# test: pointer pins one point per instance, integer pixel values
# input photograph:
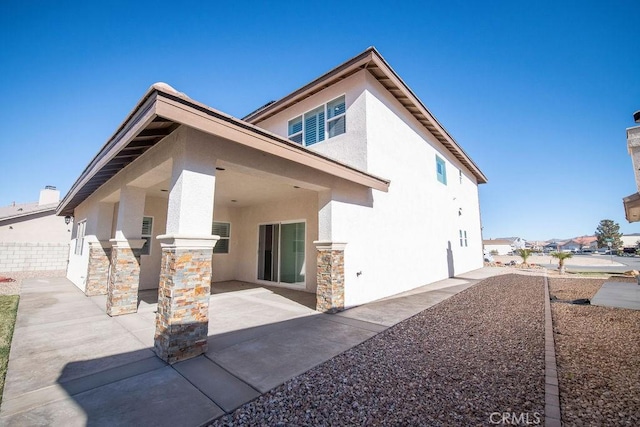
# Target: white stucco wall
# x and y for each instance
(409, 236)
(42, 228)
(224, 265)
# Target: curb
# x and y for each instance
(552, 415)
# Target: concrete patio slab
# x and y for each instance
(618, 294)
(226, 390)
(271, 359)
(71, 364)
(151, 398)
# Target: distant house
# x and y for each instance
(552, 246)
(32, 237)
(516, 242)
(497, 246)
(535, 245)
(587, 243)
(630, 240)
(632, 202)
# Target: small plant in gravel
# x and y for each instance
(561, 256)
(524, 254)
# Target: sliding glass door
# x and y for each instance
(281, 250)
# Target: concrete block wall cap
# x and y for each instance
(127, 243)
(325, 244)
(188, 240)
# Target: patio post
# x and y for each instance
(182, 320)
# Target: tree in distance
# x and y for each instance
(608, 229)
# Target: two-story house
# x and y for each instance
(348, 188)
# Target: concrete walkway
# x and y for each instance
(618, 294)
(71, 364)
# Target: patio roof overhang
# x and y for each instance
(374, 63)
(161, 111)
(632, 207)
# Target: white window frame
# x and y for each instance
(461, 241)
(148, 236)
(81, 228)
(465, 239)
(326, 122)
(228, 238)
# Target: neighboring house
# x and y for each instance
(586, 243)
(516, 242)
(570, 246)
(630, 240)
(552, 246)
(32, 237)
(535, 245)
(497, 246)
(632, 202)
(348, 187)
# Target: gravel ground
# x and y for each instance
(598, 357)
(13, 288)
(479, 352)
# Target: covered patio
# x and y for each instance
(183, 171)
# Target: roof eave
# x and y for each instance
(161, 102)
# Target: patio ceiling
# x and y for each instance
(237, 187)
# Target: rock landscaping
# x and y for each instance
(466, 361)
(598, 357)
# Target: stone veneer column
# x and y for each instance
(122, 292)
(182, 320)
(330, 293)
(98, 269)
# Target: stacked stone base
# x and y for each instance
(98, 269)
(330, 293)
(182, 321)
(122, 292)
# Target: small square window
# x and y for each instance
(441, 170)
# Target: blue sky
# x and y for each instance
(539, 94)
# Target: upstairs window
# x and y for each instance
(441, 170)
(222, 229)
(323, 122)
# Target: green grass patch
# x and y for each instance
(8, 311)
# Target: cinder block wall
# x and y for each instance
(33, 256)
